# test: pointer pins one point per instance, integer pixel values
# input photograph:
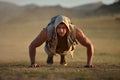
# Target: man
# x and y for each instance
(60, 36)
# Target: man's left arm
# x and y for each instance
(82, 39)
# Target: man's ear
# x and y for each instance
(68, 32)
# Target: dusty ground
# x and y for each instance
(103, 31)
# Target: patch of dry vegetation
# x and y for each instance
(103, 31)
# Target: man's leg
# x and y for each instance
(50, 56)
(63, 60)
(50, 59)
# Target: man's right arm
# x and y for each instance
(38, 41)
(82, 39)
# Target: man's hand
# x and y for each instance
(89, 66)
(34, 65)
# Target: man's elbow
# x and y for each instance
(32, 46)
(90, 47)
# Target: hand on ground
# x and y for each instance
(89, 66)
(34, 65)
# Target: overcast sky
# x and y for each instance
(64, 3)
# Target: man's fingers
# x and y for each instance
(34, 65)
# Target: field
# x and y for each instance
(103, 31)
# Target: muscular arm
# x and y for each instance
(82, 39)
(38, 41)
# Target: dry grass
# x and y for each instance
(74, 71)
(103, 31)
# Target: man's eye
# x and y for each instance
(61, 27)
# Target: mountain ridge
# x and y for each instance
(11, 11)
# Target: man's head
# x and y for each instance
(62, 25)
(62, 29)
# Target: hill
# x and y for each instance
(89, 7)
(10, 12)
(109, 9)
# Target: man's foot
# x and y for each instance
(50, 60)
(63, 61)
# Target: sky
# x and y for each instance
(63, 3)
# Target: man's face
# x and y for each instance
(61, 29)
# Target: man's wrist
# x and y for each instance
(89, 66)
(32, 63)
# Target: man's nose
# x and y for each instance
(61, 29)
